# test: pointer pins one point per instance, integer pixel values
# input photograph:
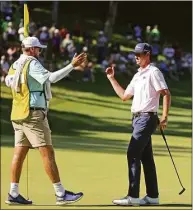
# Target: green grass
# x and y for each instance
(91, 128)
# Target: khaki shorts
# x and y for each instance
(34, 131)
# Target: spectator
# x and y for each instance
(131, 65)
(51, 30)
(44, 35)
(105, 63)
(67, 47)
(162, 65)
(129, 34)
(177, 56)
(138, 33)
(169, 52)
(21, 23)
(121, 63)
(21, 34)
(155, 34)
(56, 44)
(67, 41)
(63, 32)
(187, 62)
(12, 53)
(4, 23)
(11, 32)
(32, 28)
(88, 73)
(101, 47)
(4, 68)
(148, 34)
(155, 51)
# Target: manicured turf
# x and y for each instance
(91, 128)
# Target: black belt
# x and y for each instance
(37, 108)
(137, 114)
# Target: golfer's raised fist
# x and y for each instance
(110, 72)
(79, 59)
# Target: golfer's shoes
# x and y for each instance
(18, 200)
(127, 201)
(149, 201)
(69, 197)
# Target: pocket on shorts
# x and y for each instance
(38, 115)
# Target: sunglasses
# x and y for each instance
(40, 49)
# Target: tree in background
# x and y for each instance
(108, 29)
(55, 12)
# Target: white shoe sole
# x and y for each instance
(60, 203)
(15, 203)
(130, 204)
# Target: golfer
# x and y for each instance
(30, 85)
(145, 88)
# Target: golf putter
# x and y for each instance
(183, 189)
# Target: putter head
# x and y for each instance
(182, 191)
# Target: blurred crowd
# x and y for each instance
(64, 43)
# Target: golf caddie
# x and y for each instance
(145, 88)
(30, 85)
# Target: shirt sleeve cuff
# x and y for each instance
(70, 66)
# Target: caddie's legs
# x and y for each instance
(17, 163)
(16, 167)
(22, 146)
(63, 196)
(48, 157)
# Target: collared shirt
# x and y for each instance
(144, 87)
(37, 75)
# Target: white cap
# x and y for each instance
(56, 31)
(44, 28)
(10, 24)
(32, 42)
(21, 30)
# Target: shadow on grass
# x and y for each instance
(102, 87)
(75, 131)
(115, 206)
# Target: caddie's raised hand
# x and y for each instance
(79, 59)
(110, 72)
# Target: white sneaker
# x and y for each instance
(149, 201)
(127, 201)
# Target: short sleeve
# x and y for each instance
(38, 72)
(130, 88)
(158, 80)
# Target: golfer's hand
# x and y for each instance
(163, 122)
(110, 72)
(80, 59)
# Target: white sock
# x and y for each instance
(59, 189)
(14, 189)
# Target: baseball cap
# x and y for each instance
(32, 42)
(142, 48)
